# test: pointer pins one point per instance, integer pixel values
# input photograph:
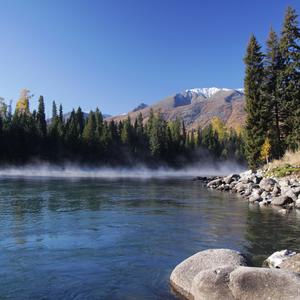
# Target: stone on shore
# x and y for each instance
(282, 200)
(267, 184)
(184, 274)
(274, 260)
(292, 263)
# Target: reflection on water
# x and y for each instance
(120, 239)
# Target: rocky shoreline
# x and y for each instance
(224, 274)
(261, 190)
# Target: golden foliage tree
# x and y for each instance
(219, 127)
(23, 102)
(266, 150)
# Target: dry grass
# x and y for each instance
(288, 165)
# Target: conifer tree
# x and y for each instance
(54, 111)
(256, 126)
(41, 118)
(272, 66)
(289, 78)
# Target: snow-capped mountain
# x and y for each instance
(197, 106)
(209, 92)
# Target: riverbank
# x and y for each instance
(261, 189)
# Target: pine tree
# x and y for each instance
(61, 114)
(256, 111)
(54, 111)
(289, 79)
(41, 118)
(272, 66)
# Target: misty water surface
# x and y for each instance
(120, 239)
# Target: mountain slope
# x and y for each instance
(198, 106)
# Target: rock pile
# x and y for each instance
(261, 190)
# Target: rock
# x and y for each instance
(267, 184)
(284, 183)
(297, 204)
(292, 263)
(212, 284)
(291, 195)
(276, 190)
(274, 260)
(296, 190)
(233, 184)
(231, 178)
(255, 196)
(241, 187)
(263, 203)
(263, 283)
(281, 200)
(184, 274)
(221, 187)
(214, 183)
(226, 187)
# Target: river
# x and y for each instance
(120, 239)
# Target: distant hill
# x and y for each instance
(197, 107)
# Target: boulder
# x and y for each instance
(291, 195)
(276, 190)
(263, 283)
(297, 204)
(233, 184)
(292, 263)
(282, 200)
(255, 196)
(231, 178)
(276, 259)
(214, 183)
(296, 190)
(184, 274)
(267, 184)
(212, 284)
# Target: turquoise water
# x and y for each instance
(120, 239)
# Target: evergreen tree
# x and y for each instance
(289, 79)
(272, 66)
(41, 118)
(255, 107)
(54, 110)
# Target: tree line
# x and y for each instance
(27, 136)
(272, 90)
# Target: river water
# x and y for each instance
(120, 239)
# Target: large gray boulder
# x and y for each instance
(267, 184)
(183, 275)
(248, 283)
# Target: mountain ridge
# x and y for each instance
(197, 106)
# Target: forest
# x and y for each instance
(272, 91)
(27, 137)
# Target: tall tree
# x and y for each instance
(255, 107)
(289, 78)
(41, 118)
(273, 64)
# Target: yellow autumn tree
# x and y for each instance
(265, 150)
(22, 105)
(219, 127)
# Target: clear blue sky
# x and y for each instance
(116, 54)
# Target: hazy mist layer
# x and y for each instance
(72, 171)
